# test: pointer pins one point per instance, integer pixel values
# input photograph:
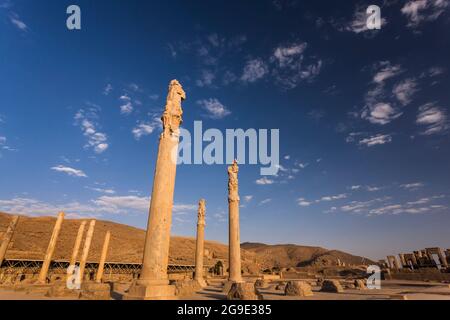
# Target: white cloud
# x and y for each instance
(303, 202)
(94, 208)
(379, 139)
(126, 108)
(254, 70)
(355, 187)
(17, 22)
(96, 140)
(419, 11)
(434, 118)
(248, 198)
(264, 181)
(101, 190)
(265, 201)
(215, 109)
(332, 198)
(107, 89)
(412, 186)
(386, 71)
(70, 171)
(206, 79)
(380, 113)
(2, 140)
(285, 56)
(404, 90)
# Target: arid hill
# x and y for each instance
(291, 255)
(127, 244)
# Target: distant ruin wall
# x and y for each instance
(421, 276)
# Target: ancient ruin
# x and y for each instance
(51, 248)
(153, 282)
(235, 275)
(200, 251)
(7, 238)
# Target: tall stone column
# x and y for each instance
(200, 248)
(153, 282)
(76, 247)
(234, 232)
(101, 265)
(87, 246)
(51, 248)
(7, 238)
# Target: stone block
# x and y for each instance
(298, 288)
(333, 286)
(243, 291)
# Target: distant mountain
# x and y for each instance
(291, 255)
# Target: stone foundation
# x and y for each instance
(298, 289)
(243, 291)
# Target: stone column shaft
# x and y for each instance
(234, 250)
(157, 240)
(200, 244)
(7, 238)
(76, 247)
(87, 246)
(51, 248)
(101, 265)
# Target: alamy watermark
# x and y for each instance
(212, 146)
(374, 279)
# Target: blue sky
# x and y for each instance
(363, 115)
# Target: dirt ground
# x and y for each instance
(390, 290)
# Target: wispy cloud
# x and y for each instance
(69, 171)
(412, 185)
(264, 181)
(420, 11)
(254, 70)
(434, 118)
(214, 108)
(85, 119)
(378, 139)
(93, 208)
(146, 128)
(404, 90)
(17, 22)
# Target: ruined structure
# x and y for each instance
(153, 282)
(87, 246)
(50, 249)
(7, 238)
(199, 251)
(101, 265)
(76, 247)
(234, 233)
(393, 263)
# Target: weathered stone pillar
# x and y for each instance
(442, 258)
(76, 247)
(7, 238)
(101, 265)
(234, 250)
(153, 282)
(51, 248)
(87, 246)
(402, 260)
(199, 251)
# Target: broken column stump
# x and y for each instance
(298, 289)
(333, 286)
(243, 291)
